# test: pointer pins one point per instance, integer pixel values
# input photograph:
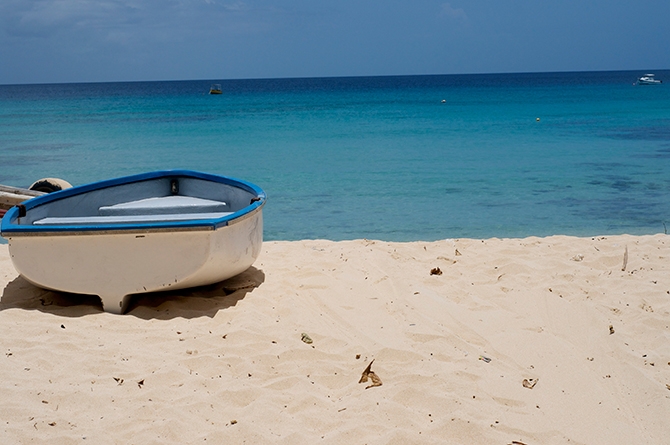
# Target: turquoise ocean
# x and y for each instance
(399, 158)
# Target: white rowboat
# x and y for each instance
(144, 233)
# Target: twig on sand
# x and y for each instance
(625, 259)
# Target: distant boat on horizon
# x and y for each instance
(648, 79)
(215, 89)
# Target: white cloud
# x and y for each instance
(454, 13)
(237, 6)
(46, 17)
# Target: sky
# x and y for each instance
(61, 41)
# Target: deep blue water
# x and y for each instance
(374, 157)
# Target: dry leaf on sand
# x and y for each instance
(369, 373)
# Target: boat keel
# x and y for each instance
(114, 304)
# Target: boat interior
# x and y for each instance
(154, 200)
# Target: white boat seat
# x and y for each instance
(164, 205)
(127, 219)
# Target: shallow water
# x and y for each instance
(374, 157)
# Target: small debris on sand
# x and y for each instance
(435, 271)
(306, 338)
(529, 383)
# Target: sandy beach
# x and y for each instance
(557, 340)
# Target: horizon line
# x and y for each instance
(334, 77)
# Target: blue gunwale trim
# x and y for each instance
(8, 228)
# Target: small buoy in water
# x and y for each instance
(537, 119)
(48, 185)
(444, 101)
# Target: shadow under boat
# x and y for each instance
(183, 303)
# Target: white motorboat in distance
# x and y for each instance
(648, 79)
(144, 233)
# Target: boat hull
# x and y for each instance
(116, 262)
(117, 265)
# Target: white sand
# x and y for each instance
(206, 367)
